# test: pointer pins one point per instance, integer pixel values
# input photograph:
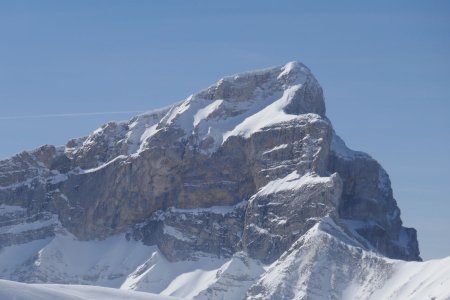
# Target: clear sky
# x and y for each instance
(384, 66)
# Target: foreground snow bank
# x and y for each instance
(22, 291)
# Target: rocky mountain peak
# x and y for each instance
(249, 165)
(245, 103)
(246, 86)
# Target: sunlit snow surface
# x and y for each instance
(291, 182)
(326, 263)
(11, 290)
(325, 255)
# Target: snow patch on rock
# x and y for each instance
(291, 182)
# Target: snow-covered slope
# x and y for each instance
(325, 263)
(413, 280)
(10, 290)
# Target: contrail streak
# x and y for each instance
(71, 115)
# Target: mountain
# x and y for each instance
(243, 190)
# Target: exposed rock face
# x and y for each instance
(277, 218)
(367, 198)
(249, 164)
(181, 233)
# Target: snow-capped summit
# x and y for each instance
(238, 184)
(245, 103)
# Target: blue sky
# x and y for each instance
(384, 66)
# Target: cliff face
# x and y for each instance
(249, 164)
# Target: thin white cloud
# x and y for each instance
(83, 114)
